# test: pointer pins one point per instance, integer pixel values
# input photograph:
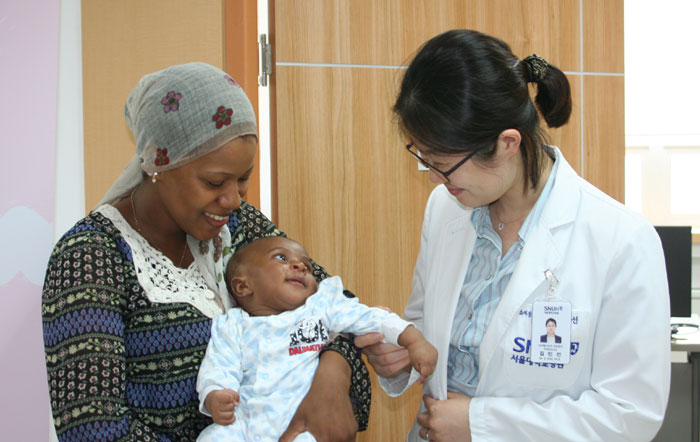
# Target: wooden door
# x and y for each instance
(122, 41)
(346, 188)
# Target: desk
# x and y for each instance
(688, 340)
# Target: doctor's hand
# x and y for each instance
(446, 421)
(387, 359)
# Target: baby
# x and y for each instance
(262, 357)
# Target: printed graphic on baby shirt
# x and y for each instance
(308, 335)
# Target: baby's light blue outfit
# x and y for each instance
(271, 360)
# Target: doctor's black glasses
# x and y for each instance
(411, 148)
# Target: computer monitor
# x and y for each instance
(677, 244)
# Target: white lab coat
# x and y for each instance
(610, 266)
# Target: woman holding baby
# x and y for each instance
(131, 289)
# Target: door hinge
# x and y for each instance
(265, 60)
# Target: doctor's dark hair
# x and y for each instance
(551, 320)
(463, 88)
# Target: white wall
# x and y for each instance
(661, 111)
(28, 78)
(41, 176)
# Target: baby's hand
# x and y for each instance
(423, 357)
(422, 354)
(221, 404)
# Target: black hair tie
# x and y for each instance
(536, 68)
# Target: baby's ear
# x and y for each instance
(239, 286)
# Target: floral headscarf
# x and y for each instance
(179, 114)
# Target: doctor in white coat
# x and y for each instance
(511, 234)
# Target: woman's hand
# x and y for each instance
(326, 411)
(446, 421)
(387, 360)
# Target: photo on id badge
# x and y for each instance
(551, 332)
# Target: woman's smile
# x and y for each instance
(215, 220)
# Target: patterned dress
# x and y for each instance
(121, 367)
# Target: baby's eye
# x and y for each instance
(280, 256)
(215, 184)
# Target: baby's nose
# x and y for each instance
(298, 265)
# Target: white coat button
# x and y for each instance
(470, 316)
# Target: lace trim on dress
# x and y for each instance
(162, 281)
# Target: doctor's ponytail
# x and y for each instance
(553, 90)
(463, 88)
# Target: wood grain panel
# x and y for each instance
(352, 195)
(604, 135)
(241, 62)
(388, 32)
(568, 137)
(122, 41)
(603, 36)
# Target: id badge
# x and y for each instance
(551, 332)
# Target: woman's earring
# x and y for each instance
(153, 177)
